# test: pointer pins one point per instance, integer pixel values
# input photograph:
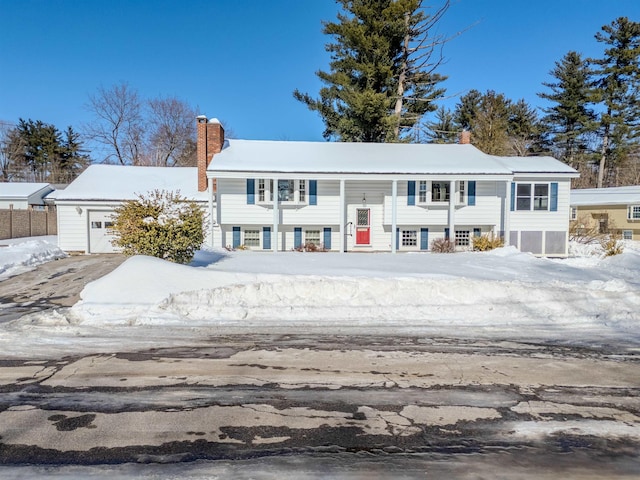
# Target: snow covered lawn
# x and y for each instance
(502, 294)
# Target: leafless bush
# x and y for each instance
(443, 245)
(310, 247)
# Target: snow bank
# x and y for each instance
(21, 254)
(504, 291)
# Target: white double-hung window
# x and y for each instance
(288, 191)
(633, 212)
(532, 196)
(439, 191)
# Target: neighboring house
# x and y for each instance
(22, 195)
(359, 197)
(605, 210)
(86, 206)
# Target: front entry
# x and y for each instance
(363, 226)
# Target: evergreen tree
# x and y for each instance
(524, 131)
(467, 110)
(41, 147)
(497, 125)
(48, 156)
(443, 129)
(570, 121)
(617, 86)
(73, 157)
(381, 80)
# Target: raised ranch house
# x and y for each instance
(85, 207)
(345, 197)
(358, 197)
(607, 210)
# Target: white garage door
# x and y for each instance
(99, 232)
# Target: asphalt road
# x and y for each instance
(398, 406)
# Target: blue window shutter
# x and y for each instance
(471, 192)
(236, 237)
(297, 237)
(513, 196)
(397, 238)
(411, 192)
(446, 233)
(424, 239)
(327, 238)
(266, 238)
(477, 232)
(251, 191)
(313, 192)
(554, 197)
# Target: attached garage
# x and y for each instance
(100, 235)
(86, 206)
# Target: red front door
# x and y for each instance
(363, 226)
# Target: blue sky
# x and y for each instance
(240, 60)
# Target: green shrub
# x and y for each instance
(161, 224)
(488, 242)
(443, 245)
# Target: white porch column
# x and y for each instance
(343, 217)
(276, 215)
(211, 212)
(507, 213)
(394, 214)
(452, 210)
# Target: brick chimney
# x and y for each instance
(210, 137)
(465, 137)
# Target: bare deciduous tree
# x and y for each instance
(118, 124)
(10, 147)
(172, 134)
(134, 131)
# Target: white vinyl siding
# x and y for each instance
(232, 194)
(486, 211)
(544, 220)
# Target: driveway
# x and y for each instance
(53, 284)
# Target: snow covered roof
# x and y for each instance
(374, 158)
(523, 165)
(22, 190)
(605, 196)
(117, 182)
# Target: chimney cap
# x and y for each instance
(214, 120)
(201, 118)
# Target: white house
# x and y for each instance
(358, 197)
(85, 207)
(23, 195)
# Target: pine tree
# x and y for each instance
(570, 120)
(41, 147)
(525, 134)
(617, 86)
(73, 157)
(443, 129)
(48, 156)
(381, 80)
